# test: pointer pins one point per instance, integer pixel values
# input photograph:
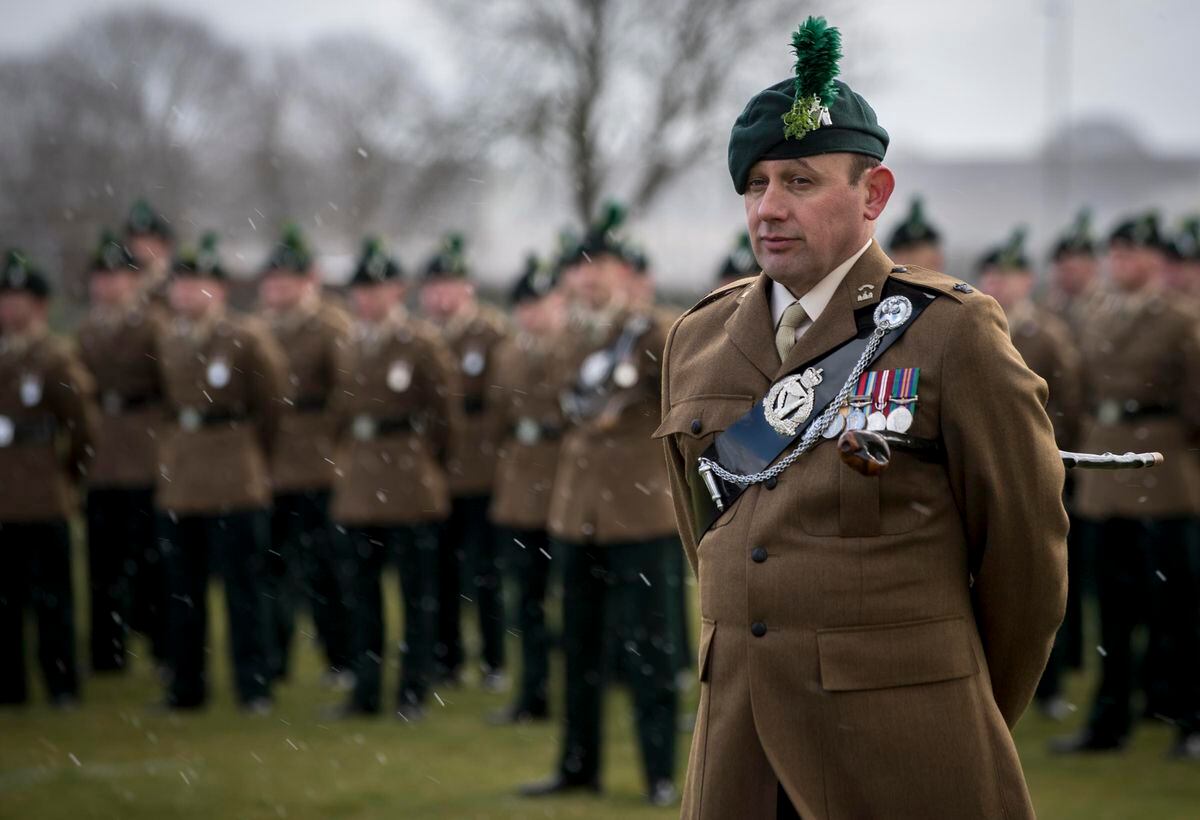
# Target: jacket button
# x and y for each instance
(758, 629)
(696, 427)
(758, 554)
(771, 482)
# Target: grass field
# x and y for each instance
(115, 758)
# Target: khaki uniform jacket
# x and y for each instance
(1044, 342)
(394, 416)
(310, 339)
(528, 372)
(611, 485)
(225, 393)
(47, 426)
(472, 342)
(1142, 386)
(120, 350)
(905, 619)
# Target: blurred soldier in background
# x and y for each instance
(1044, 342)
(1183, 278)
(468, 564)
(611, 518)
(527, 366)
(150, 239)
(47, 426)
(301, 565)
(118, 342)
(1075, 289)
(739, 264)
(394, 413)
(1141, 356)
(223, 378)
(916, 242)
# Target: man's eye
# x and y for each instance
(800, 180)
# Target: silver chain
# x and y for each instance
(813, 434)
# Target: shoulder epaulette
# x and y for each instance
(956, 289)
(724, 290)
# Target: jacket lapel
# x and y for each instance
(751, 329)
(861, 288)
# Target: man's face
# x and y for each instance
(541, 316)
(20, 311)
(806, 216)
(922, 255)
(195, 296)
(112, 288)
(444, 298)
(1008, 287)
(151, 252)
(1183, 276)
(598, 283)
(1074, 272)
(373, 303)
(283, 290)
(1133, 267)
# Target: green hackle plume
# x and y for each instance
(818, 47)
(1012, 255)
(611, 218)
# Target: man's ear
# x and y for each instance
(879, 182)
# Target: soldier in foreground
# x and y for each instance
(223, 381)
(394, 416)
(118, 343)
(302, 566)
(47, 427)
(610, 518)
(867, 644)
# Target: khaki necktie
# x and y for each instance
(785, 336)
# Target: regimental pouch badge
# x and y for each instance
(790, 402)
(625, 375)
(31, 390)
(218, 372)
(882, 400)
(595, 369)
(399, 377)
(473, 362)
(529, 432)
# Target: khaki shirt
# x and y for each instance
(903, 620)
(394, 416)
(225, 393)
(120, 350)
(47, 427)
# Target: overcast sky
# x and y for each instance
(948, 76)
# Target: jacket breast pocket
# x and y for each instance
(693, 423)
(890, 655)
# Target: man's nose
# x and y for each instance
(772, 205)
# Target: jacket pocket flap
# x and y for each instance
(707, 630)
(700, 416)
(903, 654)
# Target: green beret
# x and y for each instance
(202, 262)
(111, 255)
(740, 262)
(603, 239)
(375, 265)
(1187, 242)
(915, 229)
(1140, 231)
(1009, 257)
(536, 281)
(808, 114)
(19, 274)
(291, 253)
(143, 220)
(450, 262)
(1077, 239)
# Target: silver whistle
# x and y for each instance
(710, 481)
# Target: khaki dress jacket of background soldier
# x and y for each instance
(611, 487)
(1141, 367)
(225, 393)
(120, 350)
(528, 371)
(47, 428)
(310, 339)
(870, 641)
(472, 340)
(1044, 342)
(394, 415)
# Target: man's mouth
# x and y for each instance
(774, 242)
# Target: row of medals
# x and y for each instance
(854, 416)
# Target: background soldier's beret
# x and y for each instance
(19, 274)
(602, 238)
(1140, 231)
(1077, 239)
(450, 262)
(375, 265)
(111, 255)
(201, 262)
(1009, 257)
(808, 114)
(740, 262)
(536, 281)
(1187, 241)
(143, 220)
(291, 253)
(914, 230)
